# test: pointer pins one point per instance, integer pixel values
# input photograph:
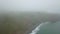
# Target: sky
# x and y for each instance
(30, 5)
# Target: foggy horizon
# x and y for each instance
(30, 5)
(29, 16)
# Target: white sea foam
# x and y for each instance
(37, 28)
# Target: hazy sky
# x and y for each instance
(30, 5)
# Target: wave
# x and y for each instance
(37, 28)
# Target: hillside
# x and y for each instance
(23, 22)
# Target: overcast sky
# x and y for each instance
(30, 5)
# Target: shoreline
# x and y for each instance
(30, 30)
(34, 28)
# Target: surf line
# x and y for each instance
(37, 28)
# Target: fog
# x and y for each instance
(30, 5)
(22, 16)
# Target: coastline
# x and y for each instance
(32, 28)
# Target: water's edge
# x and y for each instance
(37, 28)
(32, 28)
